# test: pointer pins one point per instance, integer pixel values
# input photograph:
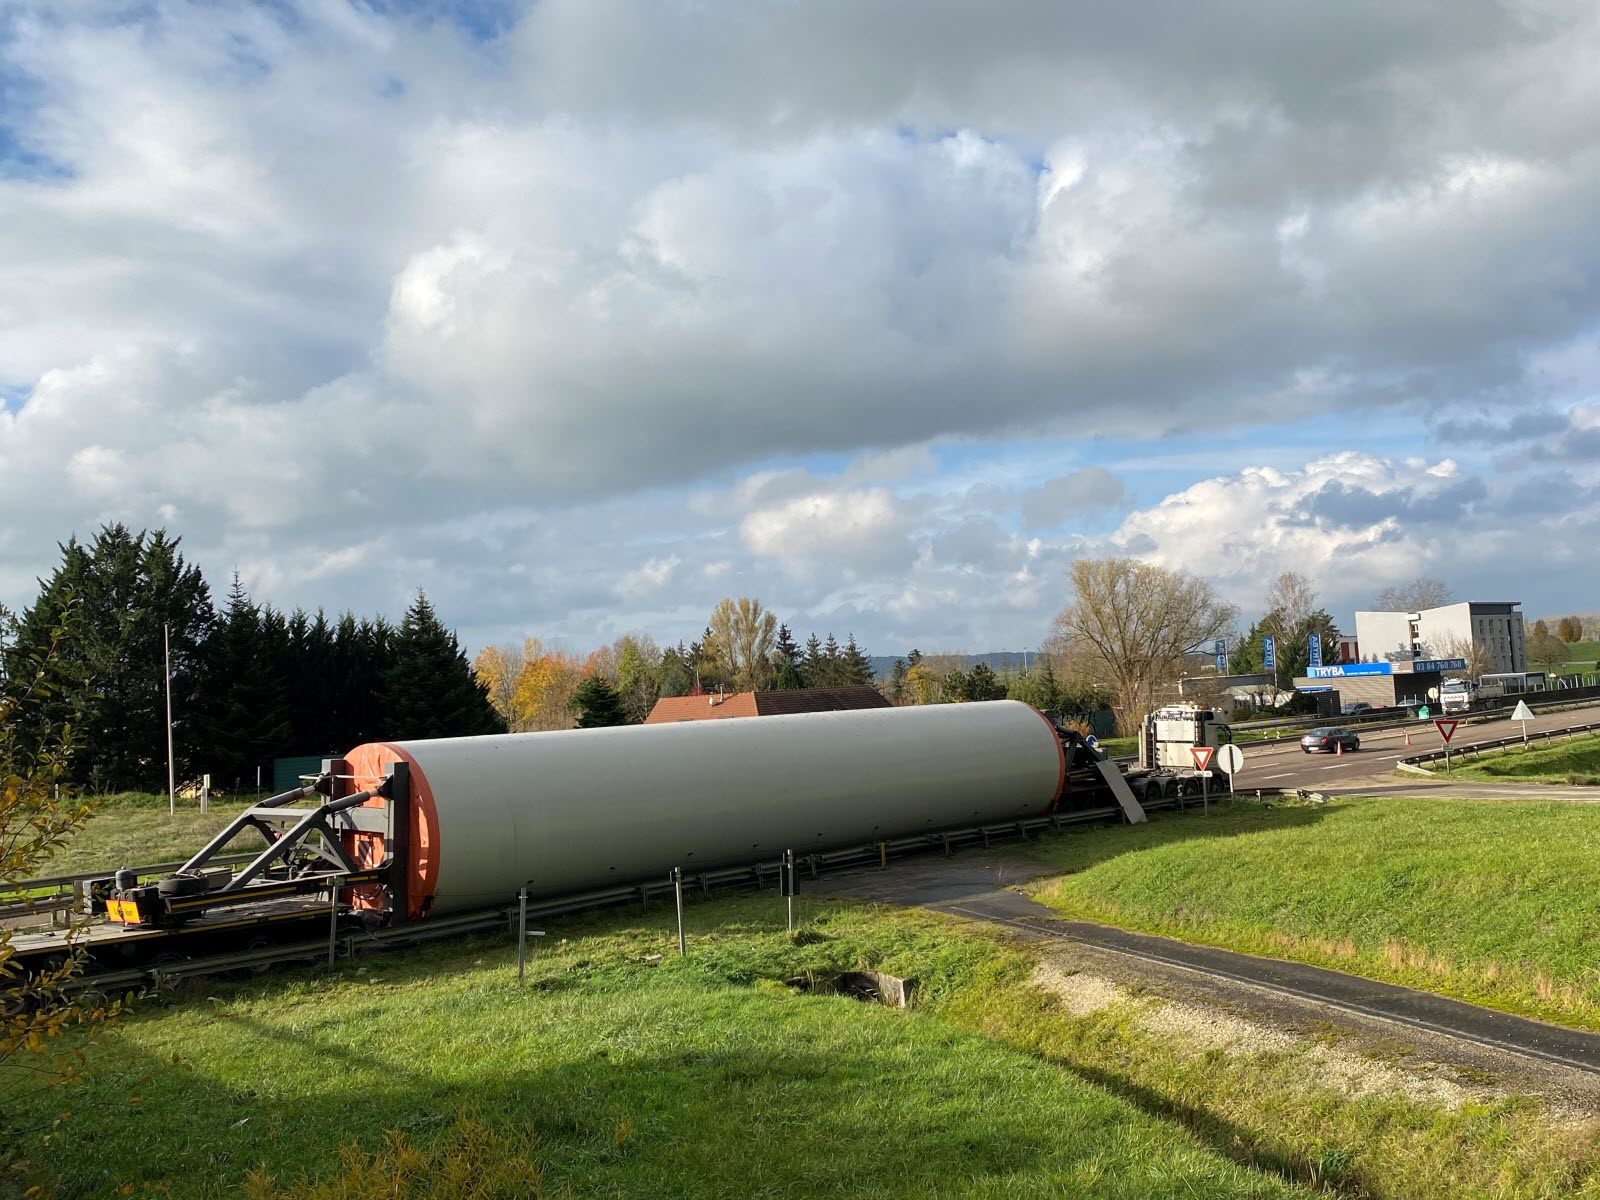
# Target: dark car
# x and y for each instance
(1329, 739)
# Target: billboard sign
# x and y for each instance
(1350, 670)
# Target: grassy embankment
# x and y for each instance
(134, 829)
(1576, 761)
(621, 1070)
(1581, 658)
(1496, 902)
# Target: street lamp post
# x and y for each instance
(172, 774)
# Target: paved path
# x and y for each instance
(1417, 785)
(973, 887)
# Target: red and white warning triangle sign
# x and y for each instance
(1202, 756)
(1446, 729)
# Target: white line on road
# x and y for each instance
(1285, 775)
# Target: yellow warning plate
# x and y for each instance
(125, 911)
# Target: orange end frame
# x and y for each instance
(366, 765)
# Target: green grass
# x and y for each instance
(1496, 902)
(1575, 761)
(134, 830)
(621, 1070)
(638, 1075)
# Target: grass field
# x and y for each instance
(1577, 761)
(1496, 902)
(621, 1070)
(618, 1072)
(133, 829)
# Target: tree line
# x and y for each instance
(249, 683)
(744, 648)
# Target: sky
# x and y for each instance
(583, 314)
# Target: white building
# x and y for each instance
(1494, 628)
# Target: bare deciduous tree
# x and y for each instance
(1130, 624)
(1290, 602)
(1422, 592)
(742, 637)
(1547, 653)
(1454, 645)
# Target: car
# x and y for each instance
(1355, 708)
(1329, 738)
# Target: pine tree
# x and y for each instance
(982, 684)
(855, 667)
(429, 687)
(813, 670)
(129, 589)
(247, 700)
(897, 681)
(832, 663)
(597, 704)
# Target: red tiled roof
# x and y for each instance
(820, 700)
(764, 704)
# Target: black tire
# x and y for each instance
(1356, 745)
(174, 886)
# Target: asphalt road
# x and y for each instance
(1285, 765)
(977, 886)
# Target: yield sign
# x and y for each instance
(1447, 729)
(1202, 756)
(1523, 712)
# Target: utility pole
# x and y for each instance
(172, 773)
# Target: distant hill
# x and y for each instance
(999, 661)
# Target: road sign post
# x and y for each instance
(1447, 730)
(1202, 763)
(1524, 714)
(1231, 760)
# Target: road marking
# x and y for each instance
(1285, 775)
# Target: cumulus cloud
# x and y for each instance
(853, 529)
(330, 286)
(1083, 491)
(1355, 522)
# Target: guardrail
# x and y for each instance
(1547, 735)
(56, 893)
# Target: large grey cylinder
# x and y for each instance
(582, 809)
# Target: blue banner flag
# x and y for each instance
(1316, 649)
(1269, 654)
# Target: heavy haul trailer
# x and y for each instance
(406, 833)
(404, 839)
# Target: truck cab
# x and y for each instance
(1170, 735)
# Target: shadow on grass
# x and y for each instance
(726, 1120)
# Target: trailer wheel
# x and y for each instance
(1152, 792)
(1173, 789)
(181, 885)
